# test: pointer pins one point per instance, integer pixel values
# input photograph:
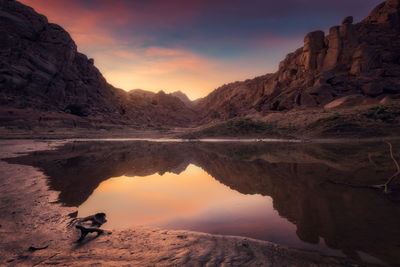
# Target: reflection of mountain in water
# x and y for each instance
(296, 176)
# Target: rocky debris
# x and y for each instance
(41, 69)
(353, 59)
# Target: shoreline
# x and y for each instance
(34, 219)
(319, 140)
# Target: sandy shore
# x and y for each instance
(29, 216)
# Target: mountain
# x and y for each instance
(183, 97)
(141, 93)
(354, 64)
(45, 80)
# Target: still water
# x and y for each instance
(308, 196)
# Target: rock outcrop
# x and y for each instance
(353, 59)
(41, 69)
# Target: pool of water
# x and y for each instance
(192, 200)
(314, 196)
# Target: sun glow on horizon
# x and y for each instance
(159, 199)
(190, 46)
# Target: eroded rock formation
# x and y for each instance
(360, 58)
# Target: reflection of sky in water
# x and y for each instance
(192, 200)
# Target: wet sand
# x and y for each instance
(29, 216)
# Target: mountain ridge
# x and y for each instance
(41, 69)
(352, 66)
(353, 59)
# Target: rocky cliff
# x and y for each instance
(44, 80)
(359, 63)
(42, 70)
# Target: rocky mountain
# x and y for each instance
(184, 98)
(42, 70)
(45, 81)
(141, 93)
(354, 63)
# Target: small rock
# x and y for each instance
(384, 101)
(372, 89)
(350, 100)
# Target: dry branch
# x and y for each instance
(86, 230)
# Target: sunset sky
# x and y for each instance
(192, 45)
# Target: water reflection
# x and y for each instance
(297, 177)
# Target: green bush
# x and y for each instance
(380, 113)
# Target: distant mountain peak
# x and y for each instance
(183, 97)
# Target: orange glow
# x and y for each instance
(157, 200)
(127, 63)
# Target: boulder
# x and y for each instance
(372, 89)
(346, 101)
(386, 100)
(306, 100)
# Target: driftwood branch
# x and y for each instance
(97, 220)
(86, 230)
(31, 248)
(385, 186)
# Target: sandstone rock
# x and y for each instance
(344, 63)
(386, 14)
(319, 90)
(390, 88)
(393, 3)
(372, 89)
(334, 43)
(314, 43)
(348, 20)
(364, 59)
(307, 100)
(346, 101)
(348, 35)
(386, 100)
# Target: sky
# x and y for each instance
(193, 46)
